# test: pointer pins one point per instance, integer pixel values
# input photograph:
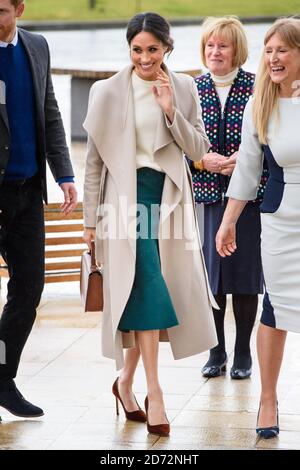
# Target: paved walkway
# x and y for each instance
(62, 370)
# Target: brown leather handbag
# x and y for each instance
(91, 282)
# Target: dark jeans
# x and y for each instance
(22, 244)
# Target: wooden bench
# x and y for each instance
(64, 245)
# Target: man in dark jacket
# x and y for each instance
(31, 132)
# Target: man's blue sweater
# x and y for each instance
(16, 74)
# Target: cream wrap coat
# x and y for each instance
(110, 125)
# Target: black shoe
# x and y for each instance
(14, 402)
(240, 374)
(242, 367)
(214, 370)
(270, 431)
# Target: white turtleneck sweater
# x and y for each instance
(224, 90)
(147, 112)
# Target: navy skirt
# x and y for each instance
(240, 273)
(149, 306)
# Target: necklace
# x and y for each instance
(220, 84)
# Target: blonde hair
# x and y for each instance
(266, 92)
(230, 28)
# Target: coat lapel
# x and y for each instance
(36, 71)
(163, 135)
(3, 115)
(173, 185)
(112, 128)
(31, 54)
(3, 111)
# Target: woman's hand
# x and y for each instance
(225, 239)
(89, 235)
(164, 95)
(213, 162)
(229, 165)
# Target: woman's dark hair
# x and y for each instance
(150, 23)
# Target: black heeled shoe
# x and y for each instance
(270, 431)
(241, 368)
(240, 374)
(214, 370)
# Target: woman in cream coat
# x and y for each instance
(139, 123)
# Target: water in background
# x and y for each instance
(107, 50)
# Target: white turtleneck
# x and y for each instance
(147, 112)
(224, 90)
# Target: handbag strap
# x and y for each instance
(94, 266)
(102, 184)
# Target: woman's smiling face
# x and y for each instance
(283, 63)
(147, 54)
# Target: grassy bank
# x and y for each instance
(114, 9)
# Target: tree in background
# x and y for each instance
(92, 3)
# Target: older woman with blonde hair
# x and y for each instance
(224, 92)
(271, 129)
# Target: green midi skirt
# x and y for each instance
(149, 306)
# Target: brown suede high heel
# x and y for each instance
(159, 429)
(138, 415)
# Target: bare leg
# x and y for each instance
(125, 382)
(149, 342)
(270, 347)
